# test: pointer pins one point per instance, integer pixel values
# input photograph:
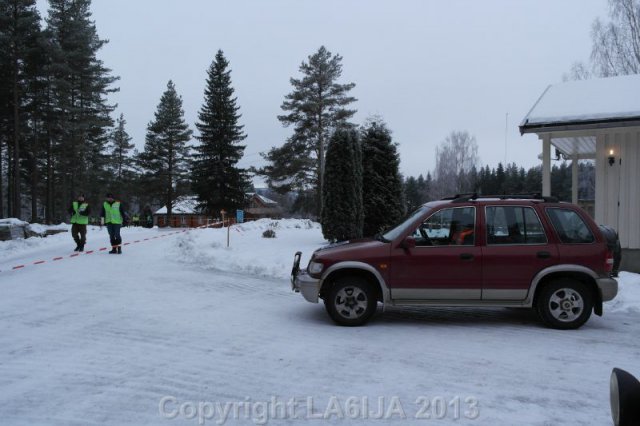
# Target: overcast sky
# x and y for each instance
(427, 67)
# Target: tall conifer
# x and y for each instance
(342, 215)
(79, 85)
(19, 34)
(166, 154)
(217, 180)
(317, 105)
(382, 184)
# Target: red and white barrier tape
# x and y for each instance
(40, 262)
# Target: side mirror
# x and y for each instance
(625, 398)
(408, 243)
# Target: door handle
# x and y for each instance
(466, 256)
(543, 255)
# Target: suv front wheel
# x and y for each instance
(351, 301)
(564, 304)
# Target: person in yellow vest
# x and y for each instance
(112, 215)
(79, 211)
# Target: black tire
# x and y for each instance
(564, 304)
(351, 301)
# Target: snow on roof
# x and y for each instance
(598, 99)
(262, 198)
(183, 205)
(265, 200)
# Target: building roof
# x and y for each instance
(265, 200)
(595, 103)
(183, 205)
(189, 204)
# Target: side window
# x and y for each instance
(514, 225)
(570, 227)
(448, 227)
(534, 232)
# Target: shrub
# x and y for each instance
(269, 233)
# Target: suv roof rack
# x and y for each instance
(461, 198)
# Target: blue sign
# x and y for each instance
(239, 216)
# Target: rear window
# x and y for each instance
(569, 226)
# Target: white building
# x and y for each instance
(597, 119)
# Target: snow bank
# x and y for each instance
(248, 252)
(628, 298)
(42, 229)
(13, 221)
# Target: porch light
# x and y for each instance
(611, 158)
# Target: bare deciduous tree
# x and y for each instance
(579, 71)
(456, 157)
(616, 44)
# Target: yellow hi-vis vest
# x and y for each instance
(112, 213)
(79, 215)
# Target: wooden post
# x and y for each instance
(223, 212)
(546, 165)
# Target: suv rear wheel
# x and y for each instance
(564, 304)
(351, 301)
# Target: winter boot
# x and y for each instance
(80, 247)
(119, 250)
(113, 251)
(77, 248)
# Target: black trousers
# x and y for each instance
(79, 233)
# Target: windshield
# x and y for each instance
(400, 229)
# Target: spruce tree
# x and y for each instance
(166, 154)
(500, 177)
(412, 193)
(426, 187)
(382, 184)
(342, 211)
(317, 105)
(121, 146)
(217, 180)
(121, 161)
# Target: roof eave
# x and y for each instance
(579, 125)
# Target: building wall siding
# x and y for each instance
(618, 186)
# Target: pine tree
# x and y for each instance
(342, 213)
(166, 154)
(217, 180)
(382, 184)
(316, 106)
(19, 34)
(80, 120)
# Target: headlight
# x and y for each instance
(315, 267)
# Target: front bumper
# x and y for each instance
(307, 285)
(301, 282)
(608, 288)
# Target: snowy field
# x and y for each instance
(181, 330)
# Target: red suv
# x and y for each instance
(511, 251)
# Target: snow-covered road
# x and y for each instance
(182, 330)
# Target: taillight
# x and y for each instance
(608, 261)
